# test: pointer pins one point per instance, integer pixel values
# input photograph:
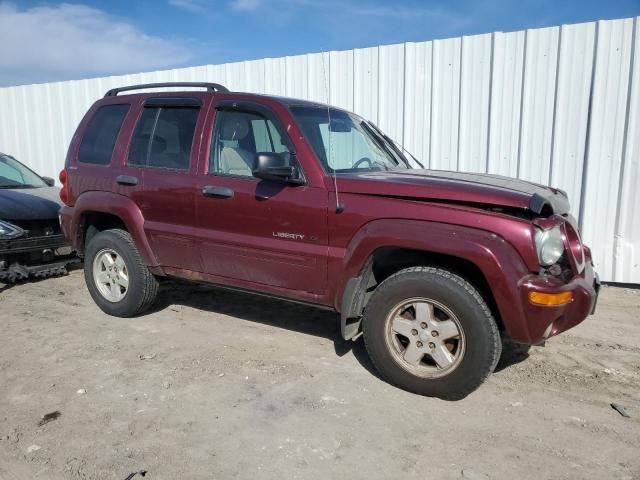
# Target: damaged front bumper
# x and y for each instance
(36, 257)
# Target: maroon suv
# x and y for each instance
(314, 204)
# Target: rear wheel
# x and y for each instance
(118, 280)
(430, 332)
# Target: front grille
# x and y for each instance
(28, 244)
(38, 228)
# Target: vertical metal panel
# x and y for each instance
(558, 106)
(297, 71)
(575, 67)
(365, 82)
(506, 102)
(319, 69)
(417, 100)
(538, 97)
(275, 76)
(254, 72)
(341, 79)
(606, 140)
(445, 104)
(391, 91)
(627, 234)
(475, 86)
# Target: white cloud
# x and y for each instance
(67, 41)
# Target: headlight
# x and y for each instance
(549, 245)
(7, 230)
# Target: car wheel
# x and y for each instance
(118, 280)
(430, 332)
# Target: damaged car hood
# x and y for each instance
(29, 203)
(457, 187)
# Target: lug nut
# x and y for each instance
(423, 325)
(414, 332)
(434, 333)
(419, 344)
(432, 345)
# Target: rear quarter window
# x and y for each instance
(101, 134)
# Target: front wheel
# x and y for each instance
(430, 332)
(118, 280)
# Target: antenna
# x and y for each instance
(339, 206)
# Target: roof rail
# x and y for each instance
(211, 87)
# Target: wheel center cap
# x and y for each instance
(424, 336)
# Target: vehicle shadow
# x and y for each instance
(512, 354)
(289, 316)
(264, 310)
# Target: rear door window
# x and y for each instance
(163, 138)
(101, 134)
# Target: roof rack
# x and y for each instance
(211, 87)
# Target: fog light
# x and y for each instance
(550, 299)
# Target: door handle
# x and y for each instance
(127, 180)
(217, 192)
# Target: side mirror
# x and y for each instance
(49, 181)
(275, 166)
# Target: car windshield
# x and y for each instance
(15, 175)
(349, 144)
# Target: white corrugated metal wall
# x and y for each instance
(558, 106)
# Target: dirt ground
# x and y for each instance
(214, 384)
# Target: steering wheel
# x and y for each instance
(363, 160)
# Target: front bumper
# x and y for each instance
(40, 257)
(543, 322)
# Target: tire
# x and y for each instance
(142, 287)
(443, 301)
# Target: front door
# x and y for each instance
(257, 231)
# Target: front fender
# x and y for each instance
(72, 220)
(498, 261)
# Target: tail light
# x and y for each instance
(64, 191)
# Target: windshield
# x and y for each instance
(15, 175)
(350, 144)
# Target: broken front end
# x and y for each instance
(33, 248)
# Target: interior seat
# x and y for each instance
(235, 160)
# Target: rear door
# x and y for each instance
(259, 232)
(162, 158)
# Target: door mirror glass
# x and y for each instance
(276, 166)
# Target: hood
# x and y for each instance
(457, 187)
(29, 203)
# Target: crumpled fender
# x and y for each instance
(71, 220)
(498, 261)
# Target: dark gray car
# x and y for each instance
(31, 244)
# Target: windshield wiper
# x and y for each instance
(414, 158)
(20, 185)
(394, 146)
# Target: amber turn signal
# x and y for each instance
(550, 299)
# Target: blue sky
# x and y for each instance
(47, 40)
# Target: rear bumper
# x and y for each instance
(543, 322)
(65, 215)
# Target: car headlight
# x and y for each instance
(549, 245)
(8, 230)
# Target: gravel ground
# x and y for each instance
(214, 384)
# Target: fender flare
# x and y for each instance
(120, 206)
(496, 259)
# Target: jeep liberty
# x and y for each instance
(310, 203)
